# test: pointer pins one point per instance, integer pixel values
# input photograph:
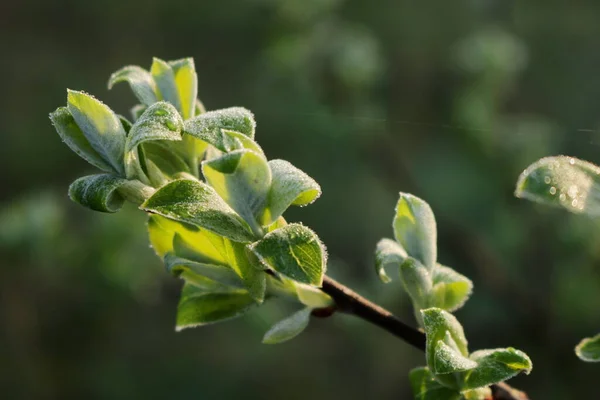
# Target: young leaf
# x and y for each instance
(425, 387)
(200, 245)
(196, 203)
(167, 161)
(241, 261)
(415, 229)
(186, 82)
(311, 296)
(218, 273)
(563, 182)
(288, 328)
(197, 307)
(141, 82)
(448, 360)
(165, 80)
(160, 121)
(436, 323)
(388, 253)
(242, 178)
(494, 366)
(71, 134)
(137, 111)
(416, 281)
(98, 192)
(589, 349)
(244, 141)
(210, 127)
(290, 186)
(294, 251)
(450, 289)
(101, 127)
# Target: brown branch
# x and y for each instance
(349, 302)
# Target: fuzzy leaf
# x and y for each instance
(425, 387)
(415, 229)
(199, 244)
(450, 289)
(196, 203)
(563, 182)
(167, 161)
(198, 307)
(186, 82)
(494, 366)
(388, 253)
(211, 126)
(218, 273)
(436, 323)
(137, 111)
(244, 263)
(290, 186)
(161, 232)
(98, 192)
(244, 141)
(416, 281)
(294, 251)
(101, 127)
(448, 360)
(141, 82)
(589, 349)
(165, 80)
(72, 135)
(242, 178)
(160, 121)
(288, 328)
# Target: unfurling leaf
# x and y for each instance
(160, 121)
(211, 126)
(141, 82)
(450, 289)
(495, 366)
(416, 281)
(448, 360)
(425, 387)
(196, 203)
(294, 251)
(589, 349)
(415, 229)
(388, 253)
(218, 273)
(186, 82)
(101, 127)
(564, 182)
(165, 81)
(288, 328)
(244, 263)
(436, 323)
(198, 307)
(98, 192)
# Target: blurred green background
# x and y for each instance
(447, 100)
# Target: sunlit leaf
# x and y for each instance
(218, 273)
(186, 83)
(244, 263)
(288, 328)
(210, 126)
(98, 192)
(165, 80)
(388, 253)
(425, 387)
(160, 121)
(494, 366)
(436, 323)
(450, 289)
(416, 280)
(141, 82)
(589, 349)
(448, 360)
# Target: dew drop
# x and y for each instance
(547, 180)
(171, 125)
(562, 197)
(574, 203)
(571, 161)
(553, 190)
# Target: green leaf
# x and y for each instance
(186, 82)
(196, 203)
(98, 192)
(416, 281)
(288, 328)
(160, 160)
(242, 178)
(73, 136)
(448, 360)
(198, 307)
(436, 323)
(137, 111)
(425, 387)
(218, 273)
(415, 229)
(127, 125)
(199, 245)
(211, 126)
(160, 121)
(388, 253)
(101, 127)
(589, 349)
(294, 251)
(563, 182)
(141, 82)
(311, 296)
(290, 186)
(244, 263)
(165, 80)
(244, 142)
(494, 366)
(450, 289)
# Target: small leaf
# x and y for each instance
(290, 186)
(450, 289)
(416, 281)
(436, 323)
(71, 134)
(218, 273)
(563, 182)
(244, 141)
(288, 328)
(101, 127)
(98, 192)
(294, 251)
(241, 261)
(165, 80)
(388, 253)
(196, 203)
(186, 82)
(425, 387)
(160, 121)
(495, 366)
(589, 349)
(197, 307)
(168, 162)
(210, 127)
(141, 82)
(199, 245)
(415, 229)
(448, 360)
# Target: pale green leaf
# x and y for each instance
(218, 273)
(141, 82)
(186, 82)
(196, 203)
(244, 141)
(98, 192)
(294, 251)
(563, 182)
(436, 323)
(165, 80)
(137, 111)
(312, 297)
(288, 328)
(290, 186)
(416, 281)
(448, 360)
(244, 263)
(101, 127)
(450, 289)
(425, 387)
(415, 229)
(160, 121)
(167, 161)
(589, 349)
(127, 125)
(494, 366)
(211, 126)
(388, 253)
(198, 307)
(72, 135)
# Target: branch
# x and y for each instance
(349, 302)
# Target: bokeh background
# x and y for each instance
(449, 100)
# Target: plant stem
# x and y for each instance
(348, 301)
